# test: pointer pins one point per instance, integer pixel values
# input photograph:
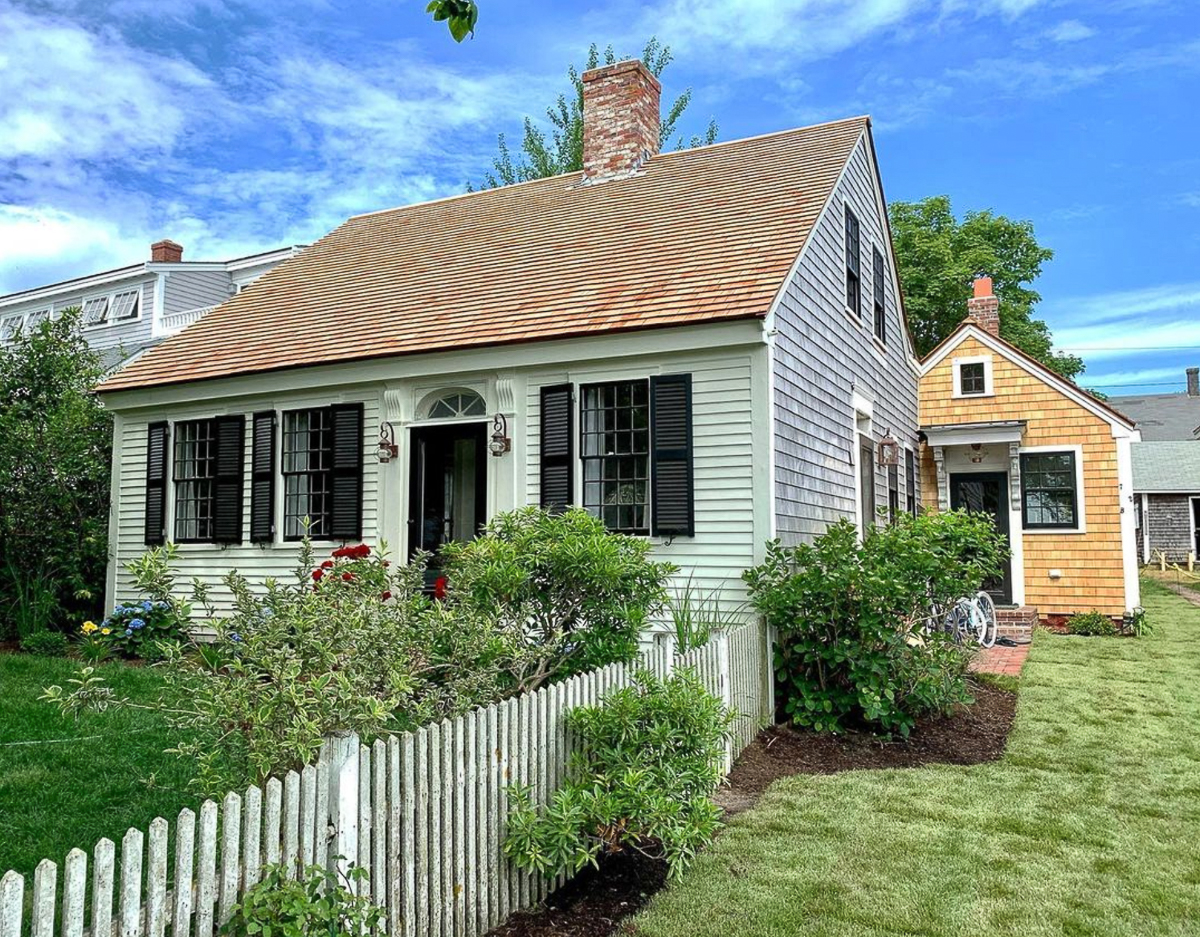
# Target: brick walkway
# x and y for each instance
(1002, 660)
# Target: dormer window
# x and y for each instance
(115, 307)
(973, 377)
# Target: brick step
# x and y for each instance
(1016, 622)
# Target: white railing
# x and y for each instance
(170, 323)
(423, 813)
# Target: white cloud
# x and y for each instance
(1119, 324)
(1069, 31)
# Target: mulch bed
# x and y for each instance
(595, 903)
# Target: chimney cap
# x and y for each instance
(166, 251)
(620, 68)
(983, 287)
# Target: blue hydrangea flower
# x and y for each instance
(137, 623)
(147, 606)
(128, 633)
(161, 605)
(235, 637)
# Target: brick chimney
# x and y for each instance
(1193, 381)
(166, 252)
(620, 120)
(984, 307)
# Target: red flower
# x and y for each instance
(439, 587)
(340, 552)
(328, 564)
(347, 577)
(386, 564)
(317, 574)
(361, 552)
(386, 596)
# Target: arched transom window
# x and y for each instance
(458, 403)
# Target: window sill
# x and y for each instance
(850, 313)
(972, 396)
(1043, 531)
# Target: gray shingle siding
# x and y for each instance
(1168, 522)
(823, 355)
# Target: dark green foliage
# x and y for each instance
(46, 644)
(938, 257)
(540, 157)
(850, 617)
(647, 762)
(55, 447)
(571, 594)
(1091, 623)
(313, 904)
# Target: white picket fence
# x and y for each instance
(423, 813)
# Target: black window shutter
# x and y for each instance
(230, 469)
(672, 500)
(157, 436)
(262, 479)
(345, 509)
(557, 445)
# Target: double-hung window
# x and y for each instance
(877, 296)
(307, 472)
(615, 440)
(1049, 487)
(853, 266)
(195, 475)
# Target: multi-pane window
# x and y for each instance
(877, 297)
(853, 265)
(910, 482)
(195, 480)
(307, 472)
(1048, 484)
(972, 378)
(615, 436)
(457, 404)
(9, 327)
(124, 306)
(116, 307)
(36, 318)
(95, 310)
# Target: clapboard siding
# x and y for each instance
(723, 463)
(823, 355)
(131, 334)
(211, 562)
(196, 289)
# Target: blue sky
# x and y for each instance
(233, 127)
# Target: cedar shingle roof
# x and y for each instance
(698, 236)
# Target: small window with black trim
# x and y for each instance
(853, 266)
(877, 296)
(307, 468)
(615, 437)
(972, 378)
(1049, 495)
(195, 475)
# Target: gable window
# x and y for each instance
(322, 472)
(972, 376)
(616, 454)
(307, 459)
(853, 266)
(877, 297)
(195, 474)
(1049, 490)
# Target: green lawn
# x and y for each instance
(1089, 825)
(84, 779)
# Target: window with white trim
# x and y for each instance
(457, 404)
(10, 326)
(616, 454)
(121, 306)
(1049, 490)
(973, 376)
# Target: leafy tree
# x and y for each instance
(939, 256)
(540, 157)
(55, 454)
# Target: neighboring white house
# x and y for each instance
(127, 310)
(705, 348)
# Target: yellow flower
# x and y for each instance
(106, 630)
(88, 627)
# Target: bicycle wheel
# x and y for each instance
(991, 626)
(958, 621)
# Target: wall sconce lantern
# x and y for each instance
(978, 453)
(500, 442)
(889, 450)
(388, 449)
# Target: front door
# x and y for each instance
(447, 486)
(987, 493)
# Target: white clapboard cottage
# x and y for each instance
(704, 347)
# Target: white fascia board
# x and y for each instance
(1066, 388)
(968, 435)
(448, 365)
(71, 287)
(1195, 489)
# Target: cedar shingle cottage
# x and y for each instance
(702, 347)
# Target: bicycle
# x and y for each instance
(970, 620)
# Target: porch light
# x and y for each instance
(500, 443)
(889, 450)
(387, 449)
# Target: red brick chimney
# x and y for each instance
(620, 120)
(166, 252)
(984, 307)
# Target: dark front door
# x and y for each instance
(987, 493)
(447, 485)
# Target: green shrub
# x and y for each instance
(568, 593)
(313, 904)
(851, 645)
(46, 644)
(696, 613)
(1091, 623)
(647, 762)
(139, 629)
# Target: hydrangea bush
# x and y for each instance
(138, 630)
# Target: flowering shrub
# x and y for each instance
(95, 642)
(137, 629)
